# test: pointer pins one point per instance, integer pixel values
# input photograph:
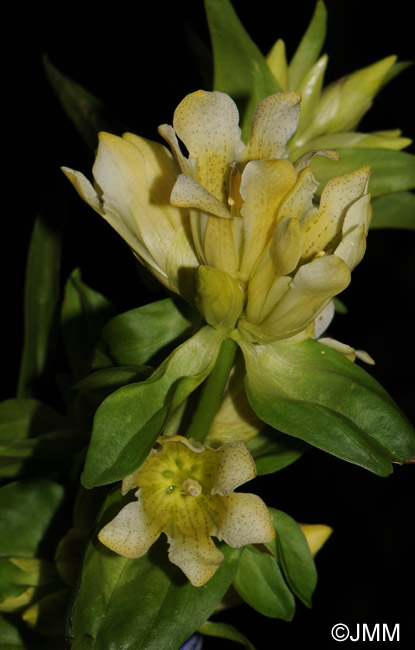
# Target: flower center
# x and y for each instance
(191, 487)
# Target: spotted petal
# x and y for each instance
(207, 123)
(274, 122)
(132, 532)
(246, 521)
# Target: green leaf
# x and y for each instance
(273, 450)
(96, 387)
(108, 380)
(137, 336)
(392, 171)
(145, 603)
(240, 69)
(10, 638)
(293, 553)
(41, 299)
(50, 451)
(128, 422)
(21, 418)
(225, 631)
(312, 392)
(16, 574)
(83, 316)
(31, 431)
(260, 583)
(88, 113)
(309, 48)
(395, 210)
(27, 510)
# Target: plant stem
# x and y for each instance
(212, 392)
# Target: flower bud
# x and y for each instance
(218, 297)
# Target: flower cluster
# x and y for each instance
(234, 227)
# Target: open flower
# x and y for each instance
(187, 492)
(237, 231)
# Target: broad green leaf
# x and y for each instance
(312, 392)
(41, 299)
(108, 380)
(273, 450)
(240, 69)
(33, 438)
(27, 510)
(138, 335)
(128, 422)
(21, 418)
(260, 583)
(88, 113)
(395, 210)
(92, 390)
(225, 631)
(309, 48)
(293, 553)
(83, 316)
(141, 604)
(46, 452)
(392, 171)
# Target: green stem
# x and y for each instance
(212, 392)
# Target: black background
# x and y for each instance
(137, 59)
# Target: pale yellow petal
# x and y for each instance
(286, 246)
(131, 533)
(190, 194)
(198, 558)
(136, 196)
(236, 466)
(324, 319)
(321, 231)
(246, 521)
(300, 198)
(355, 228)
(220, 244)
(85, 189)
(207, 123)
(264, 292)
(274, 122)
(344, 349)
(265, 184)
(313, 286)
(167, 132)
(304, 160)
(180, 263)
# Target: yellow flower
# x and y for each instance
(237, 231)
(186, 491)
